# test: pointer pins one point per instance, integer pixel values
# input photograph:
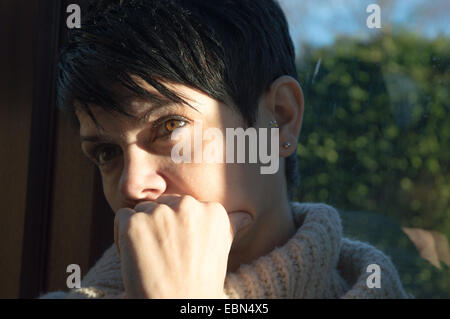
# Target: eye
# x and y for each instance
(168, 126)
(105, 153)
(172, 125)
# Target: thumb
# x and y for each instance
(238, 221)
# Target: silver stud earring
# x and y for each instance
(287, 145)
(273, 124)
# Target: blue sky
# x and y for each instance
(318, 22)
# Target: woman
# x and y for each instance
(153, 82)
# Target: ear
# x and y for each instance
(284, 101)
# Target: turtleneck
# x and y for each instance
(317, 262)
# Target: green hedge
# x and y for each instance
(376, 134)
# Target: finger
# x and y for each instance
(121, 215)
(169, 200)
(145, 206)
(238, 221)
(148, 206)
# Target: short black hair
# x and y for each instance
(232, 50)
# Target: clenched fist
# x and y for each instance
(176, 247)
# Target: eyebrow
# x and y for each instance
(155, 106)
(94, 138)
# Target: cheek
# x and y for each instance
(110, 190)
(232, 185)
(206, 182)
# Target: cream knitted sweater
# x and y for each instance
(317, 262)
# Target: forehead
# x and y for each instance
(111, 123)
(133, 105)
(201, 106)
(139, 108)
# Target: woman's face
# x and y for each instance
(136, 163)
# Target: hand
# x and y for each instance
(176, 247)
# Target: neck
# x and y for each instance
(275, 227)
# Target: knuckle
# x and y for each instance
(187, 201)
(162, 214)
(216, 206)
(135, 224)
(162, 210)
(217, 212)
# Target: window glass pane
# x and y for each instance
(376, 133)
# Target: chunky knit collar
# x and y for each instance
(315, 263)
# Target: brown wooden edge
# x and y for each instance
(37, 214)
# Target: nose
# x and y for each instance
(140, 180)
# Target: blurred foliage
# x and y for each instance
(376, 137)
